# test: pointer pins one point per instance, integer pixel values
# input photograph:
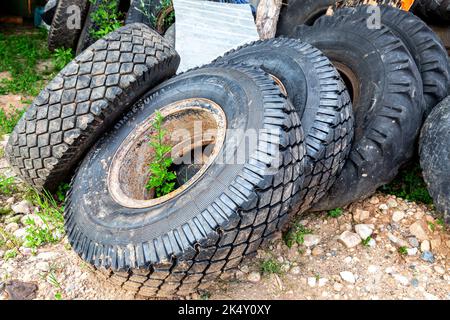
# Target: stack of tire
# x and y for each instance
(337, 106)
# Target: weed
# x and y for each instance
(8, 241)
(366, 241)
(409, 185)
(62, 191)
(161, 178)
(9, 121)
(335, 213)
(205, 295)
(61, 57)
(270, 266)
(107, 18)
(144, 7)
(403, 251)
(431, 226)
(52, 227)
(296, 235)
(7, 185)
(10, 254)
(440, 222)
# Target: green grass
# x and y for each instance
(9, 121)
(51, 213)
(296, 235)
(61, 57)
(7, 185)
(366, 241)
(270, 266)
(335, 213)
(403, 251)
(10, 254)
(107, 18)
(409, 185)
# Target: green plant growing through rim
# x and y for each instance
(161, 177)
(106, 18)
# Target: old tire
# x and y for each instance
(60, 34)
(319, 96)
(432, 10)
(434, 153)
(424, 45)
(84, 100)
(193, 236)
(387, 101)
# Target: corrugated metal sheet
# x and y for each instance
(205, 30)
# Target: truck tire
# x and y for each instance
(434, 153)
(84, 100)
(179, 243)
(318, 94)
(60, 34)
(387, 97)
(432, 10)
(424, 45)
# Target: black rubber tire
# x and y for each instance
(59, 34)
(434, 153)
(208, 228)
(84, 100)
(432, 10)
(86, 39)
(297, 12)
(319, 96)
(388, 112)
(424, 45)
(49, 11)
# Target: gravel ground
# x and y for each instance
(380, 248)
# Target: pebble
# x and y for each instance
(413, 242)
(392, 203)
(337, 286)
(20, 233)
(312, 281)
(414, 283)
(43, 266)
(383, 206)
(13, 219)
(12, 227)
(47, 256)
(295, 270)
(322, 282)
(425, 246)
(401, 279)
(418, 229)
(397, 241)
(427, 256)
(349, 239)
(348, 276)
(361, 215)
(254, 277)
(372, 269)
(10, 201)
(364, 230)
(435, 243)
(317, 251)
(311, 240)
(24, 207)
(397, 216)
(439, 269)
(412, 251)
(245, 269)
(374, 200)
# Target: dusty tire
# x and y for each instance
(60, 35)
(84, 100)
(185, 242)
(432, 10)
(424, 45)
(434, 153)
(319, 96)
(387, 105)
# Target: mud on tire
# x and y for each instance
(84, 99)
(387, 101)
(185, 242)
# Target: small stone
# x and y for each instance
(245, 269)
(425, 246)
(418, 229)
(24, 207)
(312, 281)
(10, 201)
(435, 243)
(311, 240)
(43, 266)
(413, 242)
(364, 230)
(392, 203)
(348, 260)
(12, 227)
(372, 269)
(397, 241)
(414, 283)
(401, 279)
(295, 270)
(383, 206)
(439, 269)
(374, 200)
(397, 216)
(412, 251)
(361, 215)
(20, 233)
(427, 256)
(47, 256)
(372, 243)
(317, 251)
(322, 282)
(348, 277)
(349, 239)
(254, 277)
(337, 286)
(13, 219)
